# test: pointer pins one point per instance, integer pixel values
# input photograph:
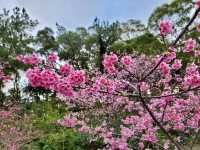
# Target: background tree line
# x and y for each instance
(84, 47)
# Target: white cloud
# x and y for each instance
(74, 13)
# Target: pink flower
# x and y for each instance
(177, 64)
(165, 69)
(84, 129)
(66, 69)
(190, 45)
(19, 57)
(105, 84)
(127, 61)
(34, 77)
(170, 56)
(64, 88)
(166, 145)
(68, 122)
(29, 59)
(5, 114)
(166, 27)
(126, 132)
(48, 79)
(197, 53)
(141, 145)
(144, 86)
(198, 3)
(109, 63)
(198, 26)
(77, 77)
(191, 69)
(192, 77)
(52, 57)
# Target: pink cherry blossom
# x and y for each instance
(77, 77)
(165, 69)
(190, 45)
(134, 100)
(65, 69)
(52, 57)
(197, 53)
(68, 121)
(198, 26)
(63, 87)
(29, 59)
(109, 62)
(170, 56)
(198, 3)
(127, 61)
(177, 64)
(144, 86)
(166, 27)
(141, 145)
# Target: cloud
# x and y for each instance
(74, 13)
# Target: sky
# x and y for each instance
(76, 13)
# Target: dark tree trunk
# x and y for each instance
(102, 51)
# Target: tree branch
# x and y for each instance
(186, 27)
(174, 43)
(156, 121)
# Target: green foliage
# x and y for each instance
(15, 39)
(14, 30)
(46, 40)
(54, 137)
(106, 34)
(178, 11)
(132, 28)
(71, 44)
(147, 44)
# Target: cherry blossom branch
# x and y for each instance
(156, 121)
(175, 94)
(163, 114)
(154, 68)
(174, 43)
(186, 27)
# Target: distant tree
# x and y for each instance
(46, 40)
(146, 43)
(132, 28)
(15, 30)
(15, 38)
(71, 44)
(179, 11)
(106, 34)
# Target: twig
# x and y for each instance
(163, 114)
(175, 94)
(154, 68)
(186, 27)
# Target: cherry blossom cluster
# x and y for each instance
(33, 59)
(139, 102)
(109, 90)
(52, 57)
(13, 133)
(166, 27)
